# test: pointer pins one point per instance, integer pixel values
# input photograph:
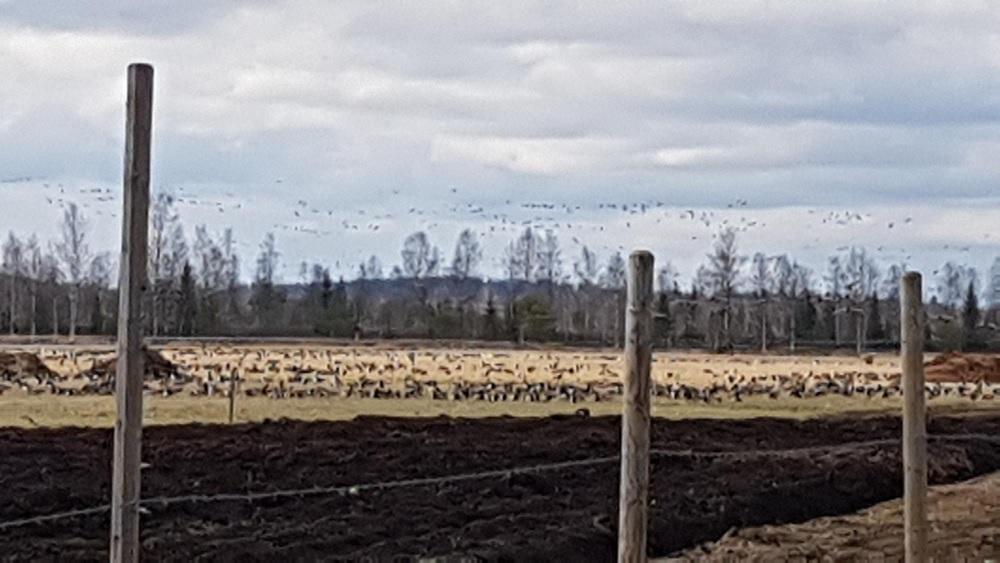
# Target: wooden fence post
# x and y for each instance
(634, 493)
(131, 287)
(233, 377)
(914, 418)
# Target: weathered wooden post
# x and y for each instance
(233, 377)
(131, 287)
(914, 418)
(634, 493)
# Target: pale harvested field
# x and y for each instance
(93, 411)
(964, 523)
(266, 362)
(336, 382)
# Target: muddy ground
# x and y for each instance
(566, 514)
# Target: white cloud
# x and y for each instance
(691, 156)
(547, 156)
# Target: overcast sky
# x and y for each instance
(343, 126)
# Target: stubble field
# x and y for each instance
(73, 386)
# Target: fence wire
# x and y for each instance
(164, 501)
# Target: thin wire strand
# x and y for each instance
(164, 501)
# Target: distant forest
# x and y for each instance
(737, 300)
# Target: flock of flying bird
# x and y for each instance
(580, 224)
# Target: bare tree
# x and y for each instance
(420, 258)
(772, 279)
(760, 274)
(890, 283)
(13, 266)
(467, 255)
(178, 252)
(549, 259)
(163, 220)
(101, 270)
(53, 276)
(762, 282)
(464, 265)
(231, 274)
(370, 269)
(799, 286)
(587, 268)
(613, 279)
(521, 256)
(722, 277)
(953, 281)
(211, 260)
(174, 261)
(666, 278)
(267, 261)
(75, 255)
(861, 277)
(614, 273)
(588, 272)
(304, 278)
(835, 284)
(99, 280)
(890, 288)
(266, 299)
(35, 273)
(994, 289)
(782, 275)
(664, 325)
(802, 279)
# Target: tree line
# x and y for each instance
(734, 301)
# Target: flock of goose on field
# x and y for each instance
(447, 375)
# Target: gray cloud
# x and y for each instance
(149, 17)
(386, 106)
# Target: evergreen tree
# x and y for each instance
(663, 323)
(491, 322)
(446, 320)
(532, 318)
(338, 319)
(831, 315)
(267, 300)
(326, 290)
(511, 326)
(970, 315)
(96, 314)
(875, 330)
(187, 306)
(805, 322)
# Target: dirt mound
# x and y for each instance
(963, 523)
(157, 367)
(24, 364)
(953, 367)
